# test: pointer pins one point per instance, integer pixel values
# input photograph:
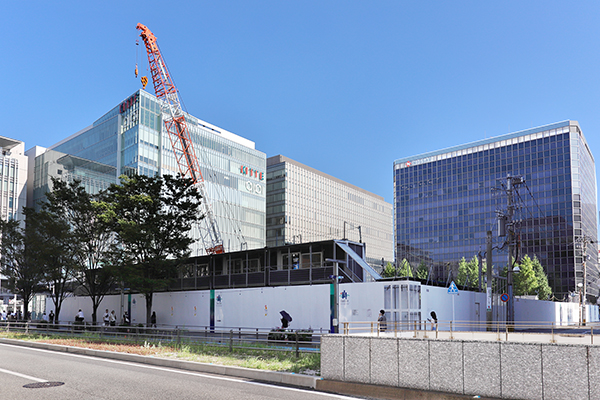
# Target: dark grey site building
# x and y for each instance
(446, 200)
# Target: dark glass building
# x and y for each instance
(445, 201)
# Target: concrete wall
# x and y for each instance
(506, 370)
(310, 307)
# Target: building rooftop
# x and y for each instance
(278, 159)
(495, 139)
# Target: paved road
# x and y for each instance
(93, 378)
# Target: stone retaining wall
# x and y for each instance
(506, 370)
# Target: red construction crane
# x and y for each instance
(181, 141)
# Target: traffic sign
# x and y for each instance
(453, 289)
(504, 297)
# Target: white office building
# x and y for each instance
(307, 205)
(13, 178)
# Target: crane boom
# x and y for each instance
(181, 141)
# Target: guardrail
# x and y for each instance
(298, 341)
(540, 331)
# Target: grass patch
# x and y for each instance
(257, 356)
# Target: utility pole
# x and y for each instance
(507, 227)
(584, 240)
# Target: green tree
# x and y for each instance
(543, 288)
(152, 217)
(405, 269)
(21, 259)
(525, 281)
(57, 253)
(468, 272)
(92, 238)
(388, 271)
(422, 271)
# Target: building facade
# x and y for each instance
(131, 139)
(445, 201)
(307, 205)
(93, 176)
(13, 178)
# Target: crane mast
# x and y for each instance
(181, 141)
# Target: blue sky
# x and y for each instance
(345, 87)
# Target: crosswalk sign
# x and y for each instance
(453, 289)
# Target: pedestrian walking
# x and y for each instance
(106, 318)
(433, 320)
(382, 320)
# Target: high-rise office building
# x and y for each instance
(307, 205)
(130, 138)
(13, 178)
(446, 200)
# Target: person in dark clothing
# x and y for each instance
(434, 320)
(153, 319)
(382, 321)
(51, 316)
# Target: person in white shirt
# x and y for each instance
(106, 318)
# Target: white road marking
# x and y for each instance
(177, 371)
(31, 378)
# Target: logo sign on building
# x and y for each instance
(254, 187)
(126, 105)
(251, 173)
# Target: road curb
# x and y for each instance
(387, 392)
(285, 378)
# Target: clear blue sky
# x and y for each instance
(346, 87)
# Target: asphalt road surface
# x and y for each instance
(95, 378)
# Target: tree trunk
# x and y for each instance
(95, 305)
(148, 307)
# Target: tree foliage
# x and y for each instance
(422, 271)
(531, 279)
(20, 259)
(405, 270)
(152, 217)
(57, 251)
(543, 288)
(91, 237)
(389, 271)
(525, 281)
(468, 272)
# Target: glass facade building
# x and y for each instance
(93, 176)
(445, 201)
(306, 205)
(131, 139)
